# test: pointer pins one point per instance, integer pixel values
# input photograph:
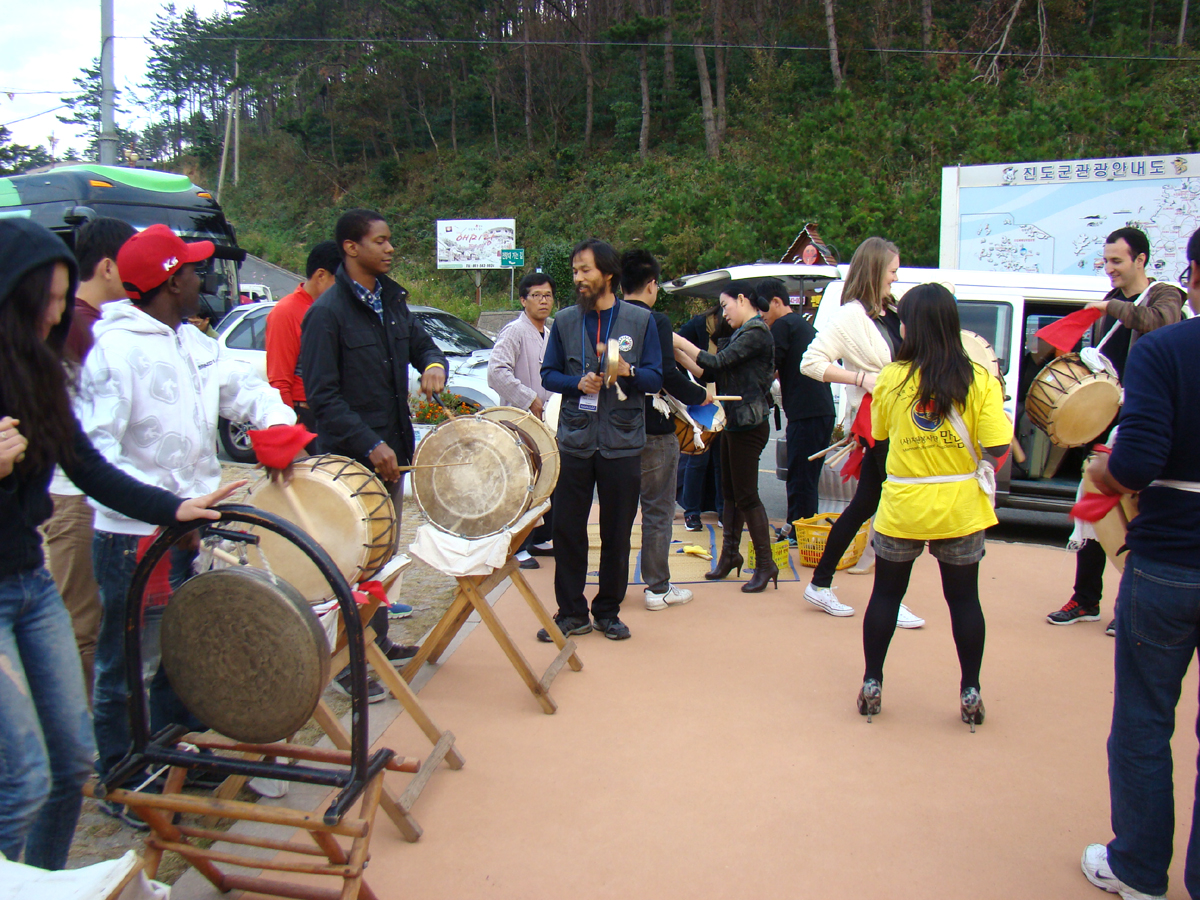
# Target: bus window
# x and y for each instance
(223, 295)
(991, 320)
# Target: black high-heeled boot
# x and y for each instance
(765, 568)
(731, 557)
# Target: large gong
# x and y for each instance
(245, 653)
(473, 477)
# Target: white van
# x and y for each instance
(1007, 308)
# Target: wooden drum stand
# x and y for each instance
(472, 597)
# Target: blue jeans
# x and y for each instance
(1158, 632)
(114, 558)
(659, 458)
(695, 478)
(45, 732)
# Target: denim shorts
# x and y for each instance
(959, 551)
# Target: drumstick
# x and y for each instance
(294, 502)
(832, 446)
(224, 556)
(431, 466)
(728, 397)
(1018, 452)
(840, 455)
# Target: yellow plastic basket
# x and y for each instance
(779, 553)
(811, 534)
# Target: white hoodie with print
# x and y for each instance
(149, 399)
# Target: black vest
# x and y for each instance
(618, 427)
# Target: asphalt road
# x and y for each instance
(1019, 526)
(259, 271)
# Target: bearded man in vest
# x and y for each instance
(601, 432)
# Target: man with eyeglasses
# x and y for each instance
(515, 373)
(1135, 306)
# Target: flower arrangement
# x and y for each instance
(426, 412)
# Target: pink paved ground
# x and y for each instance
(718, 754)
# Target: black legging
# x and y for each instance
(960, 586)
(861, 508)
(740, 452)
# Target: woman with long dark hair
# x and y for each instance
(941, 420)
(46, 742)
(850, 349)
(744, 367)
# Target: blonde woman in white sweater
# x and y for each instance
(851, 348)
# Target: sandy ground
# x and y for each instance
(719, 754)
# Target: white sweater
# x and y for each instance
(149, 399)
(849, 335)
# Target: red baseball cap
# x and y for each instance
(150, 257)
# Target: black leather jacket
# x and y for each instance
(744, 367)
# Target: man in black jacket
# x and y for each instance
(808, 404)
(660, 456)
(357, 341)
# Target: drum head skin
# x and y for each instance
(553, 406)
(486, 495)
(245, 653)
(349, 507)
(1071, 403)
(543, 439)
(981, 352)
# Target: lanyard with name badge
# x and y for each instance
(591, 402)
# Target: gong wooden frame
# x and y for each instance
(158, 750)
(329, 857)
(472, 597)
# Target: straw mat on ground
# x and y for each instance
(685, 569)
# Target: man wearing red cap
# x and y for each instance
(150, 395)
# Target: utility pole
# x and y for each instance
(237, 118)
(225, 146)
(108, 91)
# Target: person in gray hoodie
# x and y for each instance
(46, 743)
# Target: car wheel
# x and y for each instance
(235, 439)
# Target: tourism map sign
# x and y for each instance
(474, 243)
(1054, 216)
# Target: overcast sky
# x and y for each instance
(43, 45)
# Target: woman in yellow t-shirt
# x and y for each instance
(943, 419)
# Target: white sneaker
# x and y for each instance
(906, 619)
(271, 788)
(672, 596)
(1095, 867)
(523, 555)
(825, 600)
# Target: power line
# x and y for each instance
(34, 116)
(31, 93)
(791, 48)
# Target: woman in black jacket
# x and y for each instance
(744, 367)
(46, 742)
